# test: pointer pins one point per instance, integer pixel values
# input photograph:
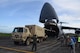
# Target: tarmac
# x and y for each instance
(48, 46)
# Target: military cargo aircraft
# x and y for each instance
(50, 19)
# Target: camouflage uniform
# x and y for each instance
(34, 46)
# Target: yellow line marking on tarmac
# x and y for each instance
(15, 49)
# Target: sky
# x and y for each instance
(14, 13)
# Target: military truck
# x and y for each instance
(25, 34)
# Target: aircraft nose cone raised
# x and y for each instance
(47, 12)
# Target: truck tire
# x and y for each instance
(27, 42)
(40, 40)
(16, 43)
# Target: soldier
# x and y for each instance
(74, 42)
(34, 46)
(71, 41)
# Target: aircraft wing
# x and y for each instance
(66, 27)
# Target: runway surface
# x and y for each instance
(48, 46)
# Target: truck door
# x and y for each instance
(26, 33)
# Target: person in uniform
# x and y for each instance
(72, 44)
(34, 45)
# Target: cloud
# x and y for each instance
(70, 20)
(68, 4)
(68, 11)
(5, 3)
(71, 6)
(14, 11)
(67, 18)
(11, 3)
(6, 29)
(69, 31)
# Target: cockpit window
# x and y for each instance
(18, 30)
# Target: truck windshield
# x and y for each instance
(18, 30)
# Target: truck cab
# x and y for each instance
(20, 34)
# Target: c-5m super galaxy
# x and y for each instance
(50, 19)
(51, 28)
